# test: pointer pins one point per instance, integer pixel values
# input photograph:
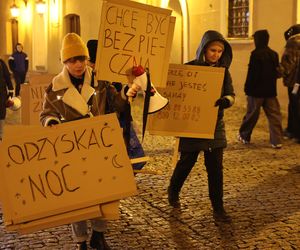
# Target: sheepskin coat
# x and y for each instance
(63, 102)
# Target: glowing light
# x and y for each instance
(14, 10)
(40, 7)
(54, 12)
(164, 3)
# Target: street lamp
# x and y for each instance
(14, 10)
(40, 7)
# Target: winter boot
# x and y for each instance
(81, 246)
(173, 198)
(98, 241)
(220, 214)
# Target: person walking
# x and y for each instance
(6, 91)
(213, 51)
(72, 95)
(289, 69)
(133, 145)
(18, 63)
(261, 91)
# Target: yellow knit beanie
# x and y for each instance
(72, 45)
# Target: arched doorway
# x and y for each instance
(180, 52)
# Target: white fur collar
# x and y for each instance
(71, 96)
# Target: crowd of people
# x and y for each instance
(84, 97)
(261, 87)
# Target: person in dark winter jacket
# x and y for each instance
(261, 91)
(6, 90)
(133, 145)
(289, 70)
(213, 51)
(72, 95)
(18, 64)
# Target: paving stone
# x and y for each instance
(261, 194)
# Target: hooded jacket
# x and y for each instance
(262, 69)
(219, 141)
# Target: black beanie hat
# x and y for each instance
(92, 47)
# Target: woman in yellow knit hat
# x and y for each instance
(72, 95)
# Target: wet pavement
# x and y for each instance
(261, 194)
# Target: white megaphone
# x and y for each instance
(157, 102)
(13, 103)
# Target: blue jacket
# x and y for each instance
(18, 62)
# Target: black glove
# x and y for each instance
(52, 122)
(117, 85)
(223, 103)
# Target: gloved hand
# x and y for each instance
(132, 90)
(117, 85)
(223, 103)
(140, 77)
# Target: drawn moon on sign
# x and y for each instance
(115, 163)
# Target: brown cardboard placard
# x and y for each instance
(192, 91)
(40, 79)
(107, 211)
(49, 171)
(133, 34)
(56, 220)
(110, 210)
(32, 95)
(32, 103)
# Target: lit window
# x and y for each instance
(72, 23)
(238, 18)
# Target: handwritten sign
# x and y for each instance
(133, 34)
(107, 211)
(192, 91)
(49, 171)
(32, 95)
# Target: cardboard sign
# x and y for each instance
(74, 165)
(107, 211)
(55, 220)
(32, 95)
(133, 34)
(192, 91)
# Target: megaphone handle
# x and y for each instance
(130, 99)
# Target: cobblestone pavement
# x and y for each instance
(261, 193)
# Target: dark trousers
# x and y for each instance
(19, 79)
(293, 124)
(213, 161)
(272, 110)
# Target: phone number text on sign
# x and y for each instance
(180, 112)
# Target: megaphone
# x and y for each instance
(13, 103)
(157, 101)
